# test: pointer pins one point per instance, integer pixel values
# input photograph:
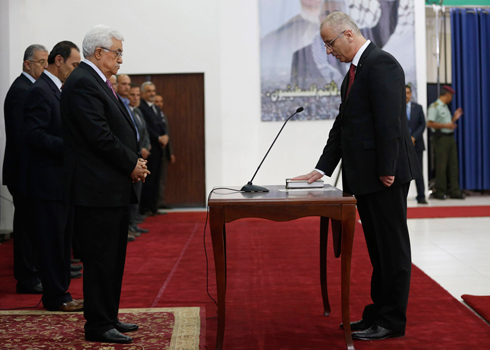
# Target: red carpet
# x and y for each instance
(448, 212)
(273, 294)
(479, 303)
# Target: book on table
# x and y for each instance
(303, 184)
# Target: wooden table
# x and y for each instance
(281, 205)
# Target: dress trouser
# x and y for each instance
(419, 182)
(446, 159)
(25, 244)
(149, 193)
(163, 180)
(384, 221)
(52, 222)
(103, 233)
(134, 209)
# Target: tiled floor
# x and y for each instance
(455, 252)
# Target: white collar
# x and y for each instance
(359, 53)
(99, 72)
(54, 78)
(30, 77)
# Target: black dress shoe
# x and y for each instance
(358, 325)
(76, 267)
(422, 201)
(141, 230)
(126, 327)
(376, 332)
(110, 336)
(75, 274)
(37, 289)
(458, 196)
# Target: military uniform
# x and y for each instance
(445, 152)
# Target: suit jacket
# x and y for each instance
(169, 150)
(153, 122)
(370, 133)
(143, 130)
(42, 160)
(417, 125)
(13, 112)
(100, 142)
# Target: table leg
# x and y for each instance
(323, 263)
(348, 225)
(217, 224)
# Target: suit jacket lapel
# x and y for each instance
(359, 68)
(52, 85)
(106, 88)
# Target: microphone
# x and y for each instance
(249, 187)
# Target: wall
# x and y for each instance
(217, 37)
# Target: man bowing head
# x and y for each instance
(101, 163)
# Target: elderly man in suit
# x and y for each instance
(159, 140)
(123, 88)
(145, 146)
(101, 164)
(371, 136)
(416, 123)
(25, 265)
(168, 156)
(42, 177)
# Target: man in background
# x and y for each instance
(445, 150)
(42, 178)
(158, 139)
(371, 136)
(416, 123)
(25, 252)
(168, 157)
(101, 164)
(134, 102)
(123, 87)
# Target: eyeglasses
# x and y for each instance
(40, 62)
(329, 45)
(118, 53)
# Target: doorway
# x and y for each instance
(183, 96)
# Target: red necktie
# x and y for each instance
(110, 86)
(352, 75)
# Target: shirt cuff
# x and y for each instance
(321, 172)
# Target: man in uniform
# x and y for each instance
(445, 153)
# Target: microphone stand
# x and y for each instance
(249, 187)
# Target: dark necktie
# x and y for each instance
(110, 87)
(352, 75)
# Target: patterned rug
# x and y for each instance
(176, 328)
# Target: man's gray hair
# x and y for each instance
(99, 36)
(29, 52)
(339, 22)
(145, 84)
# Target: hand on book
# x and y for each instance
(311, 177)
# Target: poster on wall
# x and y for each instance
(295, 68)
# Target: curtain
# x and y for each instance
(470, 30)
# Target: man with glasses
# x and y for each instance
(25, 269)
(41, 178)
(371, 136)
(101, 165)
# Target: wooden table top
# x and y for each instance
(278, 194)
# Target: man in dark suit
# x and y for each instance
(371, 136)
(41, 177)
(145, 147)
(158, 140)
(25, 258)
(168, 156)
(416, 123)
(123, 87)
(101, 163)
